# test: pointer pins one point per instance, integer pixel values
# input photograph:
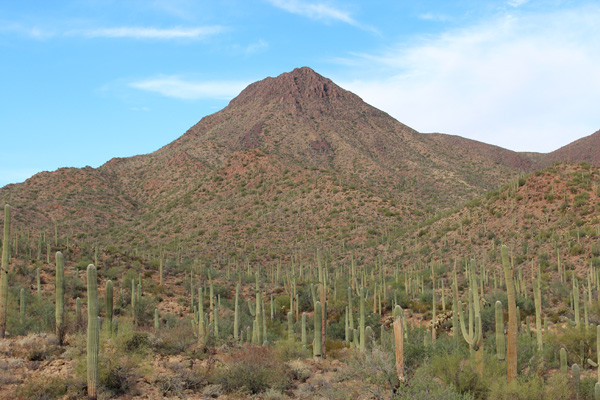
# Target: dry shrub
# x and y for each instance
(299, 371)
(42, 388)
(253, 370)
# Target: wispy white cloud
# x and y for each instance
(176, 87)
(133, 32)
(184, 9)
(256, 47)
(34, 32)
(128, 32)
(435, 17)
(527, 82)
(517, 3)
(319, 11)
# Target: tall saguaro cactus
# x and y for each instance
(109, 306)
(22, 305)
(362, 320)
(399, 343)
(500, 340)
(591, 362)
(317, 341)
(93, 334)
(60, 296)
(4, 271)
(537, 296)
(201, 331)
(236, 314)
(511, 348)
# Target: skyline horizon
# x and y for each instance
(91, 81)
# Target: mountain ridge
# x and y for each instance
(296, 148)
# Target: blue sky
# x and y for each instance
(84, 81)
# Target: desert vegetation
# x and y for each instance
(498, 299)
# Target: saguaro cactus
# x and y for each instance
(290, 321)
(22, 305)
(563, 361)
(236, 314)
(38, 282)
(201, 330)
(500, 340)
(60, 296)
(160, 272)
(317, 340)
(4, 271)
(591, 362)
(93, 335)
(304, 329)
(362, 320)
(133, 298)
(511, 348)
(399, 342)
(537, 296)
(78, 316)
(576, 379)
(109, 306)
(350, 314)
(473, 339)
(576, 299)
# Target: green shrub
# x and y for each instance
(453, 370)
(557, 387)
(422, 387)
(288, 350)
(523, 388)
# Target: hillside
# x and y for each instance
(296, 155)
(546, 217)
(582, 150)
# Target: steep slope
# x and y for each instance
(586, 149)
(301, 117)
(547, 216)
(79, 200)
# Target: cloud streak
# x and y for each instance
(527, 82)
(318, 11)
(149, 33)
(120, 32)
(178, 88)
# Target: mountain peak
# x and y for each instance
(301, 83)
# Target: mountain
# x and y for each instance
(305, 119)
(293, 163)
(583, 150)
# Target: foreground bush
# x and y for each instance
(253, 370)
